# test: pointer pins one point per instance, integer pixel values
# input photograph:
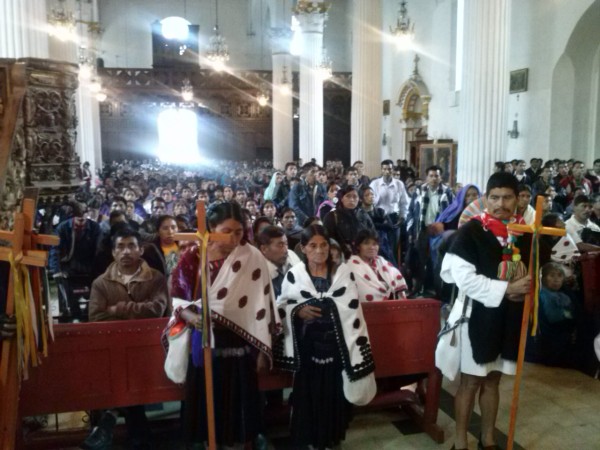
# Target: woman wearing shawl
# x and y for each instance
(376, 278)
(241, 301)
(326, 343)
(271, 190)
(447, 223)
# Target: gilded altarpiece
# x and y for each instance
(39, 130)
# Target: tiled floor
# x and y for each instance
(559, 409)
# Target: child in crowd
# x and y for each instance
(556, 334)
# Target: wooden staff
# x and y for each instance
(22, 241)
(536, 229)
(203, 237)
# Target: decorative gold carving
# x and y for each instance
(306, 7)
(42, 150)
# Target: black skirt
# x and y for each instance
(236, 395)
(320, 412)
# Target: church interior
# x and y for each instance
(461, 84)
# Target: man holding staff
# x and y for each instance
(485, 261)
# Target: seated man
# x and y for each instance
(129, 289)
(582, 209)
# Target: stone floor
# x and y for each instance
(559, 409)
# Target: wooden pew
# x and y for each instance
(590, 271)
(110, 364)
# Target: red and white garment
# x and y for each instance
(378, 280)
(241, 296)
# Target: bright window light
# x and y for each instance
(296, 43)
(175, 28)
(178, 136)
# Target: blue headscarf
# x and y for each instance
(455, 208)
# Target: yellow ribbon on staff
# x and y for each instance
(26, 317)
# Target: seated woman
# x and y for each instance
(326, 344)
(376, 278)
(164, 250)
(383, 225)
(269, 210)
(347, 219)
(441, 230)
(241, 301)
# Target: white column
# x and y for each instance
(88, 146)
(311, 84)
(483, 132)
(282, 101)
(23, 29)
(367, 108)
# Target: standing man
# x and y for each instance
(363, 180)
(489, 341)
(435, 198)
(282, 191)
(71, 261)
(306, 196)
(391, 196)
(129, 289)
(390, 193)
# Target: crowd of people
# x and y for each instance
(306, 241)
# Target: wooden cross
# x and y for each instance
(23, 242)
(536, 229)
(203, 237)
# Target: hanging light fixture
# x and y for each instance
(263, 96)
(285, 86)
(325, 68)
(218, 52)
(87, 67)
(62, 23)
(101, 96)
(404, 33)
(187, 91)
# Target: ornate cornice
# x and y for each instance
(306, 7)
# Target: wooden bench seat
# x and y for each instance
(110, 364)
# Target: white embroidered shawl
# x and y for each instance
(241, 298)
(370, 287)
(349, 323)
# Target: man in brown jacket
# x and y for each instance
(129, 289)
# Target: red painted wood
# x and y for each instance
(111, 364)
(590, 270)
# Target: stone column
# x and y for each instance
(23, 26)
(483, 100)
(367, 109)
(312, 17)
(89, 146)
(282, 101)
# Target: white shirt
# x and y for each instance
(575, 227)
(391, 197)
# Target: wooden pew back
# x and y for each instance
(111, 364)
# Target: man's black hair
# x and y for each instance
(502, 180)
(123, 233)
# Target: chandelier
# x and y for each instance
(263, 96)
(325, 68)
(404, 33)
(218, 52)
(62, 23)
(285, 86)
(187, 91)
